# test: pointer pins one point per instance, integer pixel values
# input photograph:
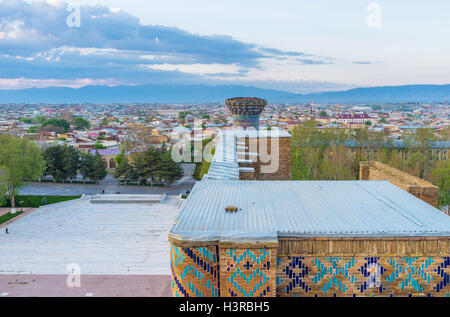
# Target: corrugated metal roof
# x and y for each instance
(305, 208)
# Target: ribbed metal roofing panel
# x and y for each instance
(305, 208)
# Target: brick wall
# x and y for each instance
(414, 266)
(364, 267)
(247, 271)
(420, 188)
(247, 176)
(266, 159)
(194, 270)
(343, 276)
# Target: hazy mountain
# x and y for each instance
(204, 93)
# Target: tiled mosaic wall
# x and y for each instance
(248, 272)
(363, 276)
(194, 271)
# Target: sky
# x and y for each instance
(293, 45)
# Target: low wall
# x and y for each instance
(362, 267)
(420, 188)
(313, 267)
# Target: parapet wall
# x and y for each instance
(418, 266)
(348, 267)
(420, 188)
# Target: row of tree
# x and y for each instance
(155, 164)
(58, 125)
(323, 154)
(64, 162)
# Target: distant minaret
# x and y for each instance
(311, 109)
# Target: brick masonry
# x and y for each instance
(415, 266)
(364, 267)
(247, 271)
(267, 157)
(194, 271)
(363, 276)
(420, 188)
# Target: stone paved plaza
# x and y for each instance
(104, 239)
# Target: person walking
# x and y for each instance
(6, 230)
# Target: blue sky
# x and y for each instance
(300, 46)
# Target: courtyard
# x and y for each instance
(111, 243)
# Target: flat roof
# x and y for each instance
(271, 209)
(104, 239)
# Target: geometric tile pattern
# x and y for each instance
(248, 272)
(363, 276)
(194, 271)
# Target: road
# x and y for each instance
(110, 186)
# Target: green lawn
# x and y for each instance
(8, 216)
(37, 200)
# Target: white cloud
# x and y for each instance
(21, 83)
(200, 69)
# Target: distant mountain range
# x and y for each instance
(204, 93)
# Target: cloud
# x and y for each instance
(364, 63)
(113, 47)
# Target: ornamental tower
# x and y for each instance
(246, 111)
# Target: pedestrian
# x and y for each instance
(6, 230)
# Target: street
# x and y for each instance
(111, 186)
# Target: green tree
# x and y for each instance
(152, 158)
(417, 164)
(120, 157)
(20, 161)
(126, 171)
(299, 169)
(61, 161)
(26, 120)
(168, 170)
(92, 167)
(39, 119)
(441, 178)
(71, 161)
(58, 123)
(81, 123)
(104, 122)
(197, 171)
(99, 146)
(182, 114)
(424, 137)
(204, 168)
(54, 162)
(32, 129)
(141, 167)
